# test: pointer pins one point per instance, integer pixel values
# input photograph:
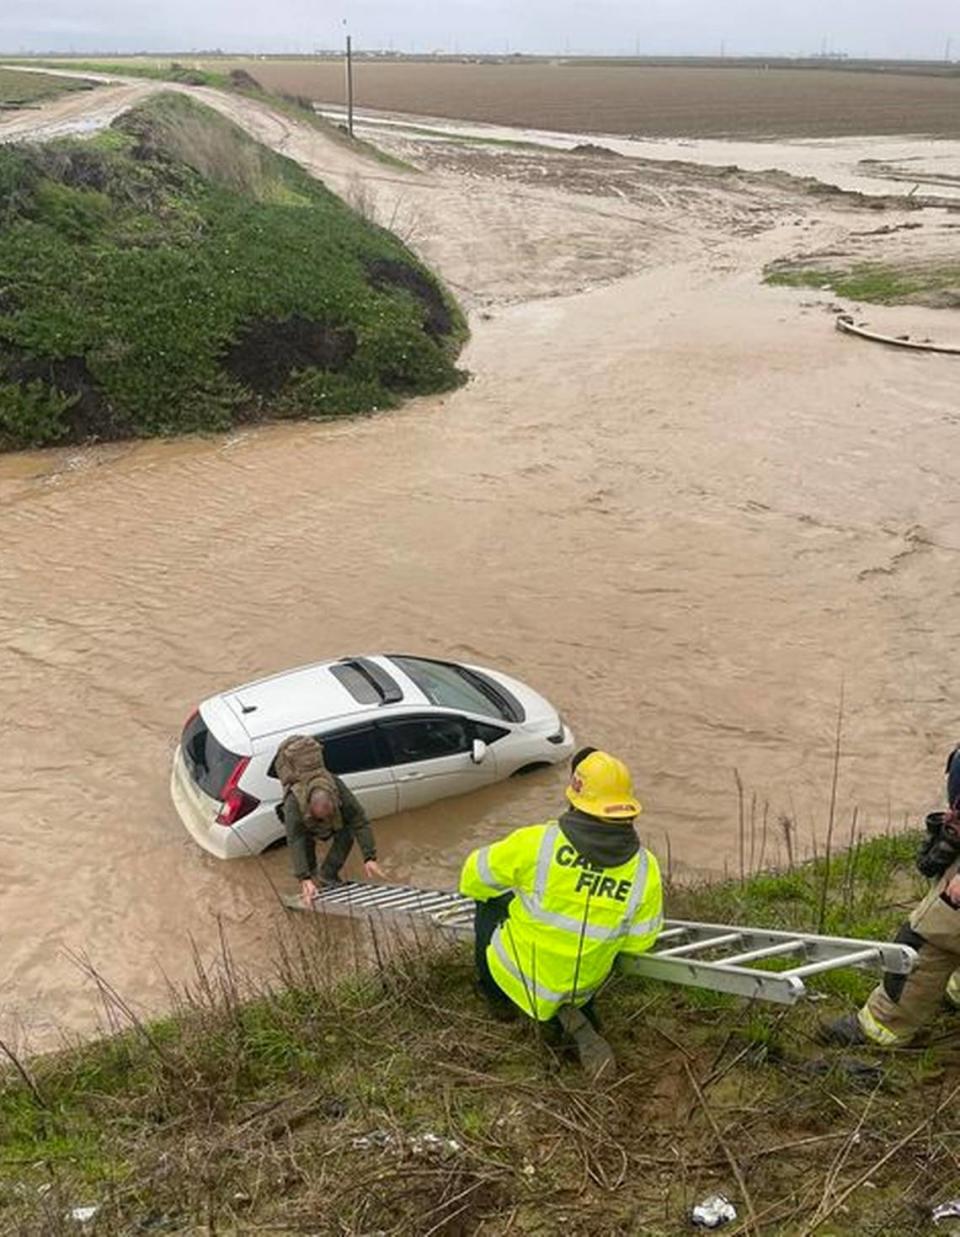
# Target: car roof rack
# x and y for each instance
(678, 956)
(388, 689)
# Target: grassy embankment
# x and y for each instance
(234, 81)
(155, 69)
(171, 275)
(935, 283)
(20, 90)
(305, 1106)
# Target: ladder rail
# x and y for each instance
(452, 913)
(896, 958)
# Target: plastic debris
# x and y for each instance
(713, 1212)
(433, 1144)
(419, 1144)
(946, 1211)
(83, 1215)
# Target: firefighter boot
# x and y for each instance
(596, 1055)
(846, 1032)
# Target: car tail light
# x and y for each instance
(235, 803)
(558, 736)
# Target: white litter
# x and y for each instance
(946, 1211)
(433, 1144)
(418, 1144)
(713, 1212)
(83, 1215)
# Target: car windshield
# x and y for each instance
(456, 687)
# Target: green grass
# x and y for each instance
(160, 71)
(301, 1106)
(135, 266)
(234, 82)
(19, 90)
(874, 282)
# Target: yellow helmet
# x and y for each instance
(601, 786)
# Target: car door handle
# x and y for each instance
(408, 777)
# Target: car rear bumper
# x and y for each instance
(199, 815)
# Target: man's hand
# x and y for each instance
(308, 891)
(372, 869)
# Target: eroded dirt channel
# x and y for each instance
(675, 501)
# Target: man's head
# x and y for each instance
(601, 786)
(321, 804)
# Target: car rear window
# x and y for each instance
(455, 687)
(208, 761)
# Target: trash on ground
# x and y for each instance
(946, 1211)
(419, 1144)
(713, 1212)
(83, 1215)
(434, 1144)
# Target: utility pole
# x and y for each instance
(350, 85)
(947, 50)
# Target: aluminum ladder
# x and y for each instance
(720, 957)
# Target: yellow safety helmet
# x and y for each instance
(601, 786)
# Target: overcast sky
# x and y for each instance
(887, 28)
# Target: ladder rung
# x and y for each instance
(372, 896)
(670, 933)
(831, 964)
(711, 942)
(768, 951)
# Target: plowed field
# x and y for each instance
(653, 101)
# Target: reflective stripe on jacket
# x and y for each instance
(569, 919)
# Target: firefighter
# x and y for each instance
(902, 1004)
(558, 902)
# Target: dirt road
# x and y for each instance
(678, 502)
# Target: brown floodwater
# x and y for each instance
(681, 506)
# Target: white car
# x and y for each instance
(401, 731)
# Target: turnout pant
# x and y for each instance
(901, 1004)
(487, 917)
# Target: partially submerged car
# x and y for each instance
(401, 731)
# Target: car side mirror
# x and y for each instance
(479, 753)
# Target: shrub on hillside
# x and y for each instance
(149, 276)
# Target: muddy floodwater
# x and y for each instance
(679, 504)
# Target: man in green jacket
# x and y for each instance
(325, 818)
(558, 902)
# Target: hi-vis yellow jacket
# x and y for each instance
(569, 919)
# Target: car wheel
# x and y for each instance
(532, 768)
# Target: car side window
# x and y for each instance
(489, 734)
(355, 751)
(426, 738)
